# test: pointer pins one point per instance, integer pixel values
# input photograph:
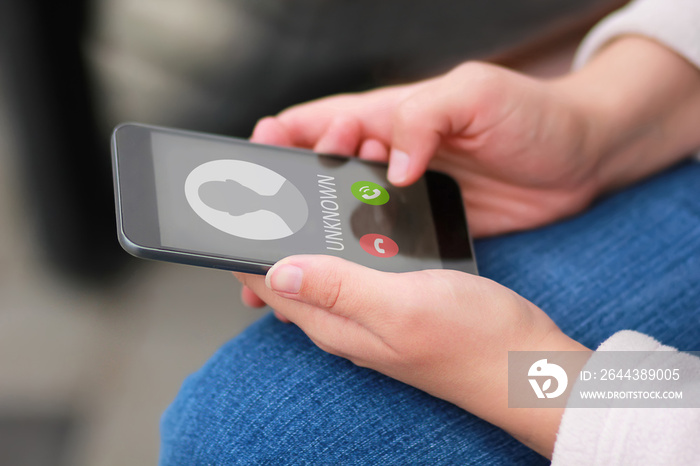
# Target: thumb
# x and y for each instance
(336, 286)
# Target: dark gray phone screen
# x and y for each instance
(260, 203)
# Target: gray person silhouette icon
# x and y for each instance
(246, 200)
(232, 197)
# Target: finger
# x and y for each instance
(255, 285)
(331, 331)
(423, 120)
(253, 288)
(251, 299)
(340, 287)
(419, 126)
(307, 123)
(342, 137)
(270, 130)
(374, 150)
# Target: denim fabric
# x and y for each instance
(269, 396)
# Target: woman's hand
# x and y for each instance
(525, 152)
(518, 147)
(445, 332)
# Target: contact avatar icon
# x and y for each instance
(246, 200)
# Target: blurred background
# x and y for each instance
(94, 344)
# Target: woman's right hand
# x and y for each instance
(526, 152)
(518, 147)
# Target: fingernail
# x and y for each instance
(284, 278)
(398, 166)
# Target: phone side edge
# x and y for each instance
(124, 242)
(197, 260)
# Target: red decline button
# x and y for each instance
(379, 245)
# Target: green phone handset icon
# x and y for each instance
(375, 194)
(370, 193)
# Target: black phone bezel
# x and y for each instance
(137, 211)
(451, 230)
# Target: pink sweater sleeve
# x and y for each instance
(625, 436)
(673, 23)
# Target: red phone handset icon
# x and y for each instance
(379, 245)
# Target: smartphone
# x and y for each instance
(227, 203)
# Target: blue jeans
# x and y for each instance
(270, 396)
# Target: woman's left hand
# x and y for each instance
(445, 332)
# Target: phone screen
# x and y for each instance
(233, 199)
